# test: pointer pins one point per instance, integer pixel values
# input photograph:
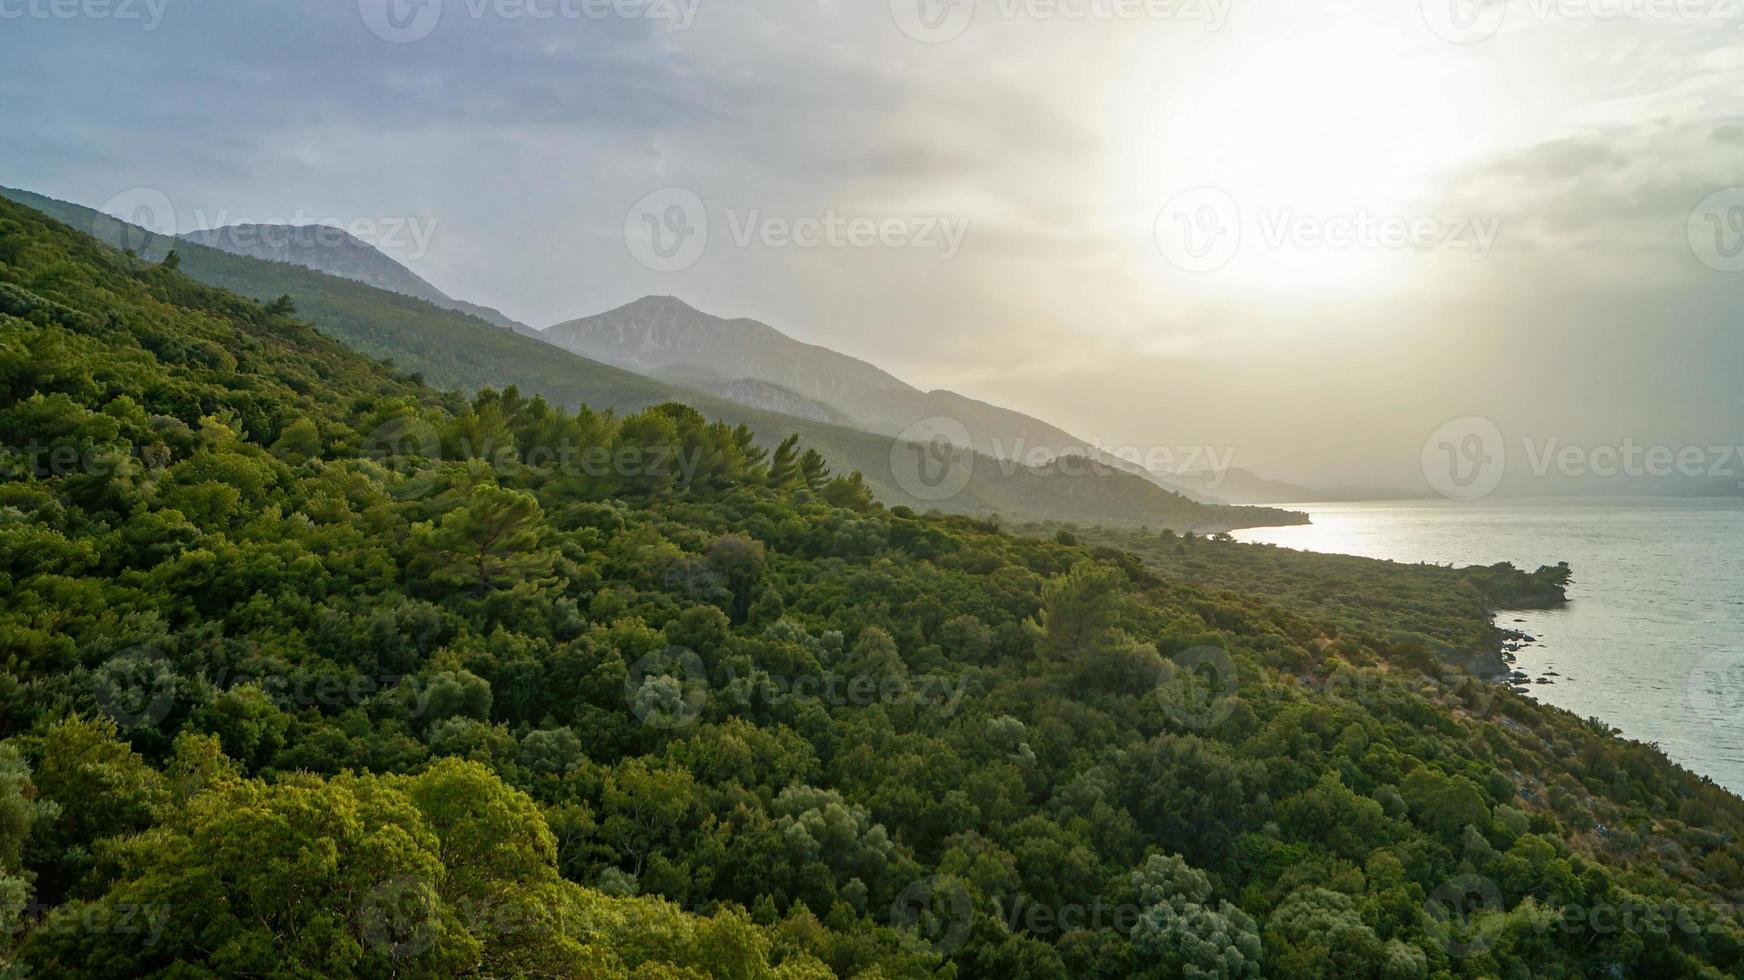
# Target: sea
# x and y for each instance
(1652, 639)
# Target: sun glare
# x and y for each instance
(1312, 142)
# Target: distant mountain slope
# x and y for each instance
(335, 251)
(457, 351)
(756, 394)
(1239, 486)
(662, 333)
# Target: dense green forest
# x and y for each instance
(455, 351)
(309, 669)
(1446, 609)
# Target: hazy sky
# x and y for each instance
(1308, 232)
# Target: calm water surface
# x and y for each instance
(1652, 640)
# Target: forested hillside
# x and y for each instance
(1446, 609)
(336, 252)
(454, 351)
(308, 669)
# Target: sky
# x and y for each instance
(1313, 235)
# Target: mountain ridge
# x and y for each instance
(452, 350)
(335, 251)
(656, 332)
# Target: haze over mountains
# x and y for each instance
(740, 360)
(748, 363)
(663, 334)
(688, 353)
(458, 351)
(335, 251)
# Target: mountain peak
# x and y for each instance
(660, 304)
(242, 237)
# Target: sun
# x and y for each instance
(1294, 140)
